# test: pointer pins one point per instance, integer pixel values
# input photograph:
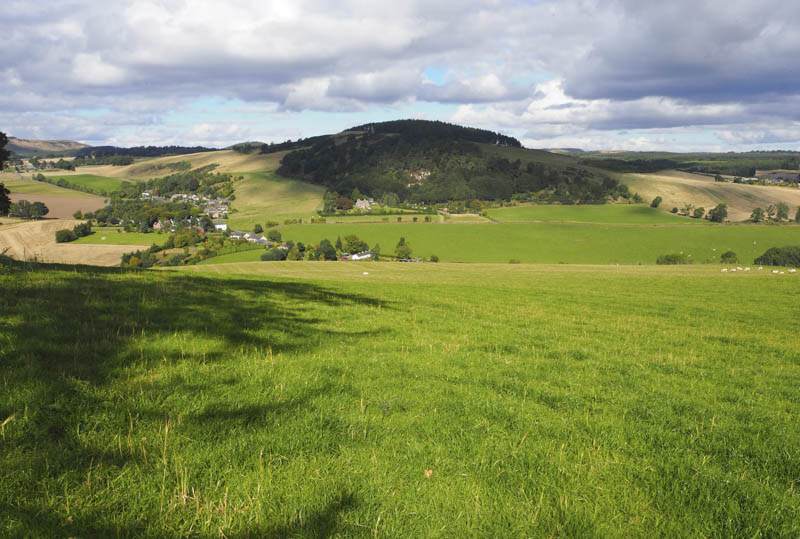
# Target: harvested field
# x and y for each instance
(27, 240)
(62, 207)
(680, 188)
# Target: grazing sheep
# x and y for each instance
(792, 271)
(760, 268)
(724, 270)
(733, 270)
(746, 269)
(780, 272)
(739, 268)
(775, 272)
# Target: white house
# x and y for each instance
(221, 226)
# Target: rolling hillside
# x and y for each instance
(680, 188)
(25, 147)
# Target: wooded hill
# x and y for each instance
(425, 161)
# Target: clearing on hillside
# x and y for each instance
(17, 183)
(91, 181)
(680, 188)
(262, 196)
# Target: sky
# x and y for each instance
(699, 75)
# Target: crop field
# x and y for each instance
(552, 243)
(680, 188)
(35, 240)
(100, 183)
(310, 399)
(606, 213)
(228, 161)
(262, 196)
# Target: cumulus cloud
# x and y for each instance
(568, 68)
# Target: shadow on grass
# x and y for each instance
(68, 332)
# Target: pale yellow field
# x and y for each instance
(228, 161)
(35, 240)
(680, 188)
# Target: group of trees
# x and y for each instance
(774, 212)
(717, 214)
(433, 162)
(78, 231)
(28, 210)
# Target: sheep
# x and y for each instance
(760, 268)
(724, 270)
(792, 271)
(739, 268)
(746, 269)
(775, 272)
(733, 270)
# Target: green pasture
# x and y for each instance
(264, 196)
(551, 243)
(113, 236)
(309, 399)
(98, 183)
(31, 187)
(606, 213)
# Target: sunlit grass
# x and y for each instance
(417, 399)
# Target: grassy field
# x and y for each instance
(551, 243)
(113, 236)
(100, 183)
(263, 196)
(680, 188)
(16, 184)
(309, 399)
(606, 213)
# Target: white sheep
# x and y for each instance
(760, 268)
(792, 271)
(775, 272)
(724, 270)
(746, 269)
(739, 268)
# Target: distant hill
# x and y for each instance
(26, 147)
(425, 161)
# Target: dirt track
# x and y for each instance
(28, 240)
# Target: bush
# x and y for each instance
(673, 258)
(434, 258)
(274, 235)
(656, 202)
(273, 255)
(258, 229)
(65, 235)
(674, 210)
(514, 261)
(729, 257)
(780, 256)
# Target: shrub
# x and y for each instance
(673, 258)
(258, 229)
(273, 255)
(674, 210)
(514, 261)
(274, 235)
(780, 256)
(434, 258)
(729, 257)
(656, 202)
(65, 235)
